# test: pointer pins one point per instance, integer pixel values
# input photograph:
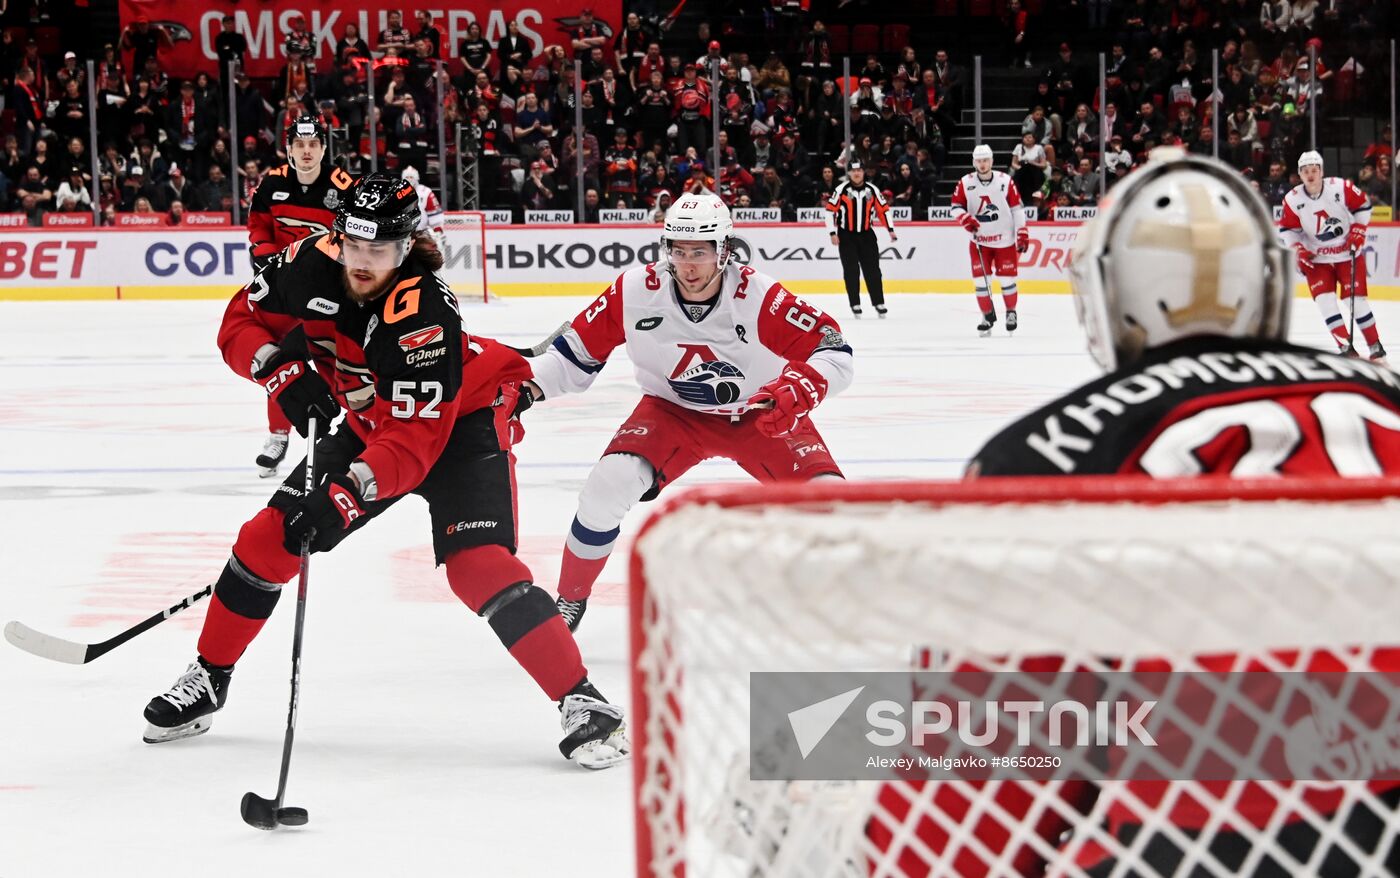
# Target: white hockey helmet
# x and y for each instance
(1183, 247)
(699, 217)
(982, 151)
(1311, 157)
(410, 174)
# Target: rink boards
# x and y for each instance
(544, 260)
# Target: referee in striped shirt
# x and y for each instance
(852, 212)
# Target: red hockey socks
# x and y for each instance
(586, 552)
(1009, 295)
(247, 590)
(496, 584)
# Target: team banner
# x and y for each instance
(190, 262)
(194, 26)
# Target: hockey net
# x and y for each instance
(993, 573)
(465, 259)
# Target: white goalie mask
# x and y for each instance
(1183, 247)
(702, 217)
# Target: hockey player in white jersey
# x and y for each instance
(1324, 220)
(730, 365)
(431, 220)
(988, 205)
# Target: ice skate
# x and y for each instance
(188, 708)
(1378, 354)
(1010, 321)
(273, 451)
(1347, 349)
(882, 311)
(594, 734)
(855, 311)
(984, 328)
(572, 611)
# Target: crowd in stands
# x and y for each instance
(648, 110)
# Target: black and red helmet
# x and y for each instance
(379, 207)
(306, 125)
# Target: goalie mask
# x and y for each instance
(701, 217)
(1183, 247)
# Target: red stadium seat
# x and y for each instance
(865, 39)
(981, 7)
(945, 8)
(49, 39)
(895, 37)
(840, 37)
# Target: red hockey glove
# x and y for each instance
(299, 390)
(1356, 238)
(788, 399)
(1305, 258)
(329, 510)
(1023, 240)
(970, 223)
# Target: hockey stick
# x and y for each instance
(70, 652)
(1351, 328)
(539, 349)
(270, 813)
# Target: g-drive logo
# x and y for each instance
(1104, 723)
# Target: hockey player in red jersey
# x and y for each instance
(988, 205)
(292, 201)
(1325, 220)
(730, 365)
(1184, 293)
(429, 411)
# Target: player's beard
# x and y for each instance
(364, 286)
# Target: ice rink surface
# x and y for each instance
(422, 749)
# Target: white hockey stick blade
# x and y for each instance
(45, 645)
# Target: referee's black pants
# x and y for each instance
(860, 252)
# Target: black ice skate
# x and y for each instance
(855, 311)
(594, 734)
(273, 450)
(572, 611)
(1378, 354)
(984, 328)
(882, 311)
(1010, 322)
(188, 708)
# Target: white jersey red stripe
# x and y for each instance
(994, 203)
(1321, 223)
(712, 365)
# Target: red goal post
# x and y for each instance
(465, 259)
(843, 576)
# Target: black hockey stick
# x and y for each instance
(270, 813)
(1351, 328)
(71, 652)
(539, 349)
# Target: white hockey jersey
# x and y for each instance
(995, 204)
(1321, 224)
(712, 365)
(431, 218)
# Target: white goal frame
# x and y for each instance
(697, 527)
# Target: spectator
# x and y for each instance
(175, 215)
(32, 208)
(865, 106)
(111, 163)
(134, 187)
(29, 110)
(734, 179)
(1028, 167)
(532, 126)
(73, 195)
(828, 114)
(251, 177)
(1148, 129)
(475, 52)
(700, 183)
(714, 56)
(1082, 130)
(654, 109)
(395, 39)
(142, 205)
(300, 40)
(586, 35)
(816, 50)
(351, 103)
(908, 191)
(1276, 185)
(175, 188)
(252, 109)
(428, 31)
(1083, 188)
(351, 49)
(230, 47)
(1385, 145)
(189, 127)
(145, 41)
(536, 193)
(214, 193)
(620, 169)
(411, 135)
(513, 51)
(691, 111)
(71, 72)
(296, 78)
(108, 198)
(48, 168)
(773, 191)
(75, 158)
(1017, 23)
(612, 96)
(1237, 153)
(1375, 182)
(70, 112)
(1275, 17)
(590, 206)
(568, 157)
(772, 77)
(1062, 76)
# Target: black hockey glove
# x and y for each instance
(300, 391)
(328, 510)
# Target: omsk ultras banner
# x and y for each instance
(193, 26)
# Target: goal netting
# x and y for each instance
(465, 260)
(1000, 574)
